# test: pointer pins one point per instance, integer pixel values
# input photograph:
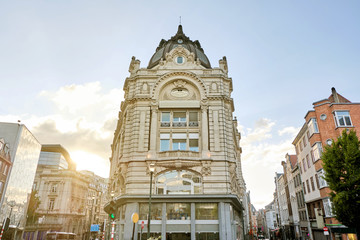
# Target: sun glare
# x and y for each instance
(91, 162)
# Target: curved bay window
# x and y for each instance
(178, 182)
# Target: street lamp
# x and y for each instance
(152, 169)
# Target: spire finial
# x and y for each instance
(180, 20)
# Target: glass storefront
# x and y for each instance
(156, 211)
(178, 211)
(206, 211)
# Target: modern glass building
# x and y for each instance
(177, 138)
(24, 152)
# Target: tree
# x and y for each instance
(34, 203)
(341, 162)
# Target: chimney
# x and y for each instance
(335, 95)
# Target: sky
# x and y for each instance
(63, 65)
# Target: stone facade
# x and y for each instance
(178, 116)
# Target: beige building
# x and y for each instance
(177, 117)
(70, 201)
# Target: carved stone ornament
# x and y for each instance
(180, 84)
(206, 168)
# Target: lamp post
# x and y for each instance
(152, 169)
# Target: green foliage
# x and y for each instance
(34, 203)
(341, 162)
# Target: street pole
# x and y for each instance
(91, 213)
(151, 168)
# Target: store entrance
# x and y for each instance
(178, 236)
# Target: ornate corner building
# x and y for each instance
(177, 117)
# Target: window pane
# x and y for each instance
(178, 211)
(347, 121)
(179, 144)
(165, 117)
(206, 211)
(194, 145)
(179, 117)
(193, 116)
(156, 211)
(164, 145)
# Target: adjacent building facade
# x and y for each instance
(69, 201)
(323, 125)
(24, 151)
(176, 130)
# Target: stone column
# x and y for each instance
(153, 131)
(204, 131)
(192, 227)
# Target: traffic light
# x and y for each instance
(112, 213)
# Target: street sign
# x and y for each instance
(326, 231)
(94, 228)
(142, 224)
(135, 217)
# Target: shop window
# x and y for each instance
(156, 211)
(178, 211)
(207, 236)
(206, 211)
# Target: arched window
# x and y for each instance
(178, 182)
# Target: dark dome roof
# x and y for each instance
(179, 39)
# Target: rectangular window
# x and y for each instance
(317, 181)
(54, 188)
(308, 160)
(164, 142)
(304, 141)
(178, 211)
(165, 117)
(179, 117)
(193, 119)
(312, 183)
(304, 164)
(308, 185)
(312, 156)
(301, 146)
(179, 144)
(317, 149)
(342, 118)
(308, 136)
(322, 181)
(313, 127)
(327, 207)
(51, 204)
(304, 188)
(194, 145)
(156, 211)
(206, 211)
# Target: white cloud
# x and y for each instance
(83, 121)
(289, 130)
(261, 158)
